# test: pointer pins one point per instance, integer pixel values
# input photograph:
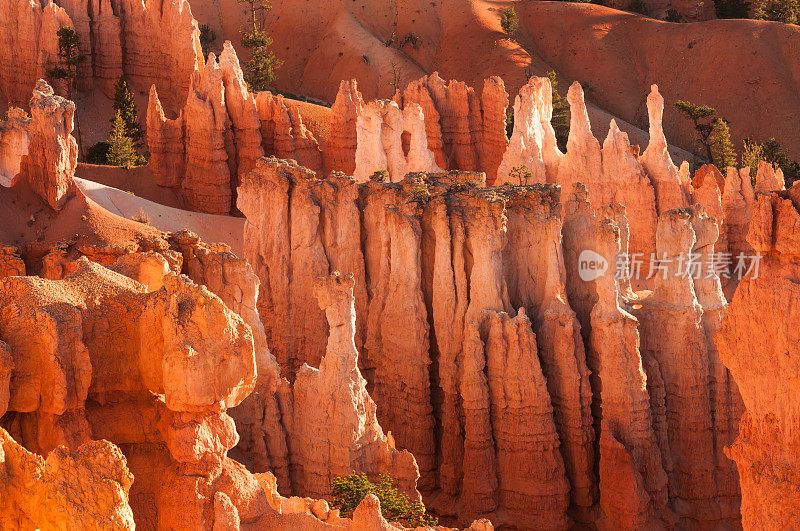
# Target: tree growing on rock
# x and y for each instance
(125, 106)
(259, 71)
(69, 59)
(769, 151)
(702, 116)
(121, 151)
(723, 154)
(560, 119)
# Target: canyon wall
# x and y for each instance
(221, 131)
(480, 275)
(757, 342)
(149, 42)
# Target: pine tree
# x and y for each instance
(69, 59)
(121, 152)
(702, 116)
(752, 153)
(259, 71)
(722, 152)
(509, 20)
(784, 11)
(125, 106)
(207, 39)
(560, 119)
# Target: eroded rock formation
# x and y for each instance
(220, 133)
(84, 488)
(14, 140)
(395, 281)
(393, 141)
(151, 43)
(334, 430)
(762, 357)
(49, 165)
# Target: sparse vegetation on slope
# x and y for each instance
(395, 507)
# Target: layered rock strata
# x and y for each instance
(431, 252)
(14, 142)
(767, 446)
(220, 133)
(150, 43)
(334, 430)
(692, 423)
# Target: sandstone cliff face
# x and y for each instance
(84, 488)
(30, 32)
(675, 335)
(14, 140)
(393, 141)
(220, 133)
(335, 429)
(340, 150)
(452, 260)
(151, 43)
(766, 448)
(49, 166)
(432, 252)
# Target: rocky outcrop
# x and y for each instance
(84, 488)
(49, 166)
(165, 141)
(85, 383)
(220, 133)
(151, 43)
(32, 46)
(611, 173)
(533, 140)
(14, 140)
(675, 351)
(768, 178)
(408, 244)
(511, 457)
(391, 141)
(766, 449)
(657, 161)
(244, 121)
(627, 441)
(335, 429)
(283, 133)
(465, 131)
(11, 263)
(207, 182)
(340, 149)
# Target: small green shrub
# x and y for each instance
(420, 192)
(521, 174)
(396, 507)
(509, 20)
(380, 176)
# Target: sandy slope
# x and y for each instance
(747, 69)
(211, 229)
